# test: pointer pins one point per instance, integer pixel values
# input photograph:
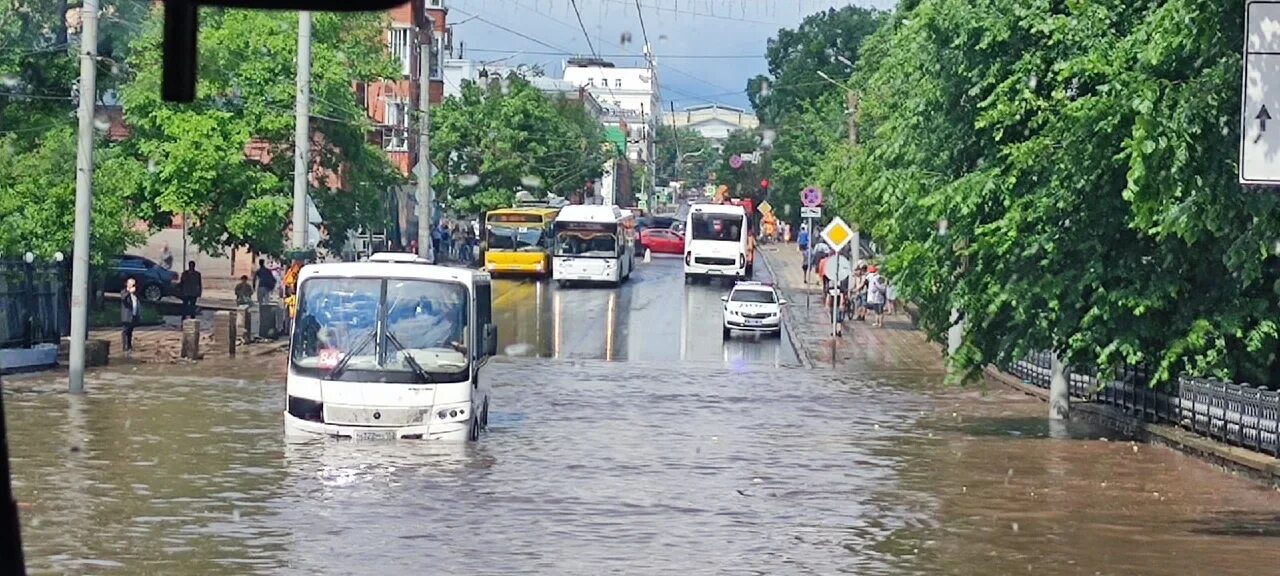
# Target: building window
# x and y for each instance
(399, 43)
(617, 83)
(437, 56)
(395, 129)
(435, 3)
(591, 81)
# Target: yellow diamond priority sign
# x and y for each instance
(837, 233)
(765, 207)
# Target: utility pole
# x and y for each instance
(425, 197)
(84, 196)
(851, 98)
(302, 134)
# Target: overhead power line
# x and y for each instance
(574, 3)
(621, 55)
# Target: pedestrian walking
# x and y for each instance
(875, 296)
(191, 286)
(166, 257)
(130, 315)
(890, 297)
(264, 282)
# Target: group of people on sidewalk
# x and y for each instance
(852, 289)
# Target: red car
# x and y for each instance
(661, 241)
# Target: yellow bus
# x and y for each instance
(519, 240)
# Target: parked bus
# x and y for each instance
(718, 243)
(390, 348)
(594, 244)
(518, 240)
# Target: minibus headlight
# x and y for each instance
(453, 413)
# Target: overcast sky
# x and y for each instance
(706, 49)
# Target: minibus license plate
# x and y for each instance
(374, 435)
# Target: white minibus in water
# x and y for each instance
(717, 243)
(389, 348)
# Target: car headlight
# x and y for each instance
(452, 413)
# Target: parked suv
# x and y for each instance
(154, 282)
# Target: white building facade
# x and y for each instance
(715, 121)
(631, 102)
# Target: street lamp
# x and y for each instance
(28, 257)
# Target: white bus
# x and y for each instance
(594, 244)
(717, 243)
(388, 349)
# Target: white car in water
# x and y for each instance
(753, 307)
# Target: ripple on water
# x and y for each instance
(594, 467)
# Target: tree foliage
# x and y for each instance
(684, 154)
(227, 158)
(38, 68)
(1063, 174)
(743, 181)
(805, 110)
(798, 58)
(500, 137)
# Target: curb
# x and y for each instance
(1244, 462)
(802, 351)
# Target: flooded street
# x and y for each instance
(625, 437)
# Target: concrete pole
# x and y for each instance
(851, 98)
(955, 334)
(425, 196)
(1059, 389)
(84, 197)
(302, 134)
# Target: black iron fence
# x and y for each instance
(34, 304)
(1240, 414)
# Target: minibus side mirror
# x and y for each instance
(489, 347)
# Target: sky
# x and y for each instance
(705, 49)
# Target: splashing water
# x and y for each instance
(519, 349)
(8, 81)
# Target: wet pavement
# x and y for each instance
(625, 438)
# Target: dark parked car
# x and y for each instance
(655, 222)
(154, 282)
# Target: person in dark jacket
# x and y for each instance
(191, 287)
(130, 314)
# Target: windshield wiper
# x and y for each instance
(341, 366)
(410, 360)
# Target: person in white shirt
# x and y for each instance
(875, 295)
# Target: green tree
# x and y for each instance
(37, 197)
(227, 158)
(1063, 175)
(503, 136)
(805, 110)
(743, 181)
(684, 154)
(38, 67)
(797, 58)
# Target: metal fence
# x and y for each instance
(34, 304)
(1240, 414)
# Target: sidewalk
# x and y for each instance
(895, 347)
